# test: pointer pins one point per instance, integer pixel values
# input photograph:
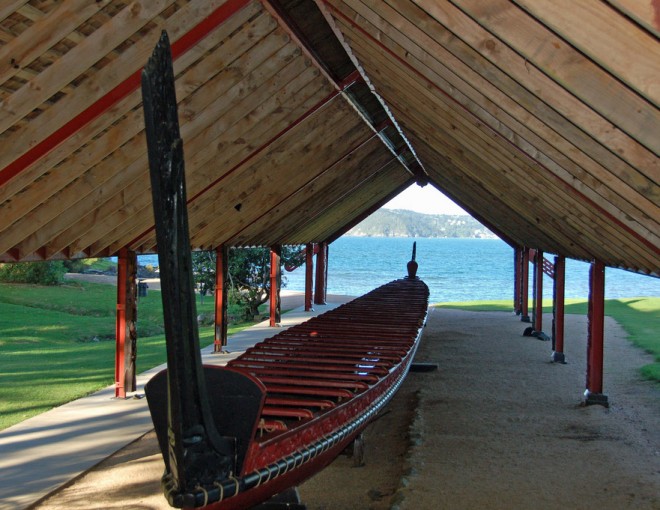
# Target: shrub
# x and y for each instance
(40, 273)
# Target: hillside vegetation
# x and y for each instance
(402, 223)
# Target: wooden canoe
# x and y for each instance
(233, 436)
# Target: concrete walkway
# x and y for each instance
(39, 455)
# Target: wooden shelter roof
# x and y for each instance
(301, 117)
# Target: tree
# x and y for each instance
(203, 266)
(249, 275)
(40, 273)
(249, 270)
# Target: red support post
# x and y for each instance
(221, 302)
(125, 330)
(524, 286)
(517, 284)
(325, 278)
(596, 329)
(309, 275)
(275, 284)
(538, 291)
(321, 273)
(558, 310)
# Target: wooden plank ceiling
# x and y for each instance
(301, 117)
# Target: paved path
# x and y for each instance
(43, 453)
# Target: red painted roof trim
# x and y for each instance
(129, 85)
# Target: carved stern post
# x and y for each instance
(196, 454)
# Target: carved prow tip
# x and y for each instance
(412, 264)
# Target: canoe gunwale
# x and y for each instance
(235, 492)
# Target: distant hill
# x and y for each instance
(402, 223)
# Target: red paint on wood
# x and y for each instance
(558, 298)
(275, 282)
(538, 291)
(565, 185)
(125, 331)
(128, 86)
(524, 285)
(517, 287)
(321, 273)
(220, 339)
(596, 318)
(309, 275)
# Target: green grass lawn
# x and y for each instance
(58, 343)
(639, 317)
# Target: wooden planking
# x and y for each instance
(312, 199)
(430, 65)
(644, 12)
(352, 205)
(247, 135)
(428, 128)
(140, 234)
(378, 36)
(485, 118)
(295, 159)
(464, 189)
(572, 71)
(634, 210)
(484, 201)
(315, 212)
(10, 7)
(77, 61)
(273, 93)
(45, 33)
(85, 133)
(529, 192)
(83, 199)
(538, 84)
(55, 118)
(610, 40)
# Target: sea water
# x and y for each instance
(454, 270)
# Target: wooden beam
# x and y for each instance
(349, 206)
(390, 96)
(220, 298)
(366, 213)
(241, 153)
(419, 46)
(607, 38)
(558, 309)
(310, 150)
(126, 317)
(247, 108)
(275, 317)
(309, 275)
(538, 291)
(331, 186)
(643, 12)
(105, 134)
(595, 342)
(321, 288)
(524, 290)
(523, 52)
(60, 22)
(115, 30)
